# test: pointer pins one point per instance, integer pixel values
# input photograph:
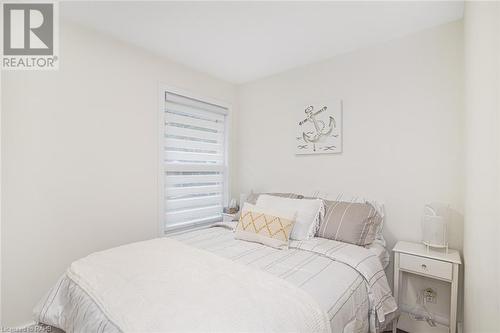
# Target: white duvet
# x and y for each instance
(163, 285)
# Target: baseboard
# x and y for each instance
(405, 308)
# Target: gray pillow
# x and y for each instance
(252, 197)
(350, 222)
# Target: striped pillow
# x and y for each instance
(350, 222)
(252, 197)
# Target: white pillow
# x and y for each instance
(309, 213)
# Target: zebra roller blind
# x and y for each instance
(194, 161)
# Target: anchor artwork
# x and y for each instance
(320, 129)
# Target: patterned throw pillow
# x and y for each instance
(264, 226)
(350, 222)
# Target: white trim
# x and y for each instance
(1, 191)
(197, 97)
(227, 129)
(440, 319)
(175, 230)
(196, 103)
(162, 89)
(161, 167)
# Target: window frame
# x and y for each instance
(163, 89)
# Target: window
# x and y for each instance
(194, 161)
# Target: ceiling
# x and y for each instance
(243, 41)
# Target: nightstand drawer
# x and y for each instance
(437, 268)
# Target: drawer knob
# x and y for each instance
(424, 267)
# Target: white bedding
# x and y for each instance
(334, 273)
(142, 287)
(379, 249)
(321, 268)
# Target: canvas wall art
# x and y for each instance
(319, 128)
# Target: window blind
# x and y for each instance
(194, 161)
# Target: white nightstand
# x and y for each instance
(442, 265)
(228, 217)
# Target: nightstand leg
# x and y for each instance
(396, 289)
(395, 326)
(454, 298)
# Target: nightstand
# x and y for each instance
(442, 265)
(228, 217)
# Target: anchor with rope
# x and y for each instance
(319, 125)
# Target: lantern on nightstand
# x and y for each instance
(435, 226)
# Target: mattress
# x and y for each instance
(339, 289)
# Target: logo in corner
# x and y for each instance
(30, 36)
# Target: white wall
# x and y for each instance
(80, 159)
(402, 127)
(80, 145)
(1, 81)
(482, 218)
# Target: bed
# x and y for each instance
(315, 285)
